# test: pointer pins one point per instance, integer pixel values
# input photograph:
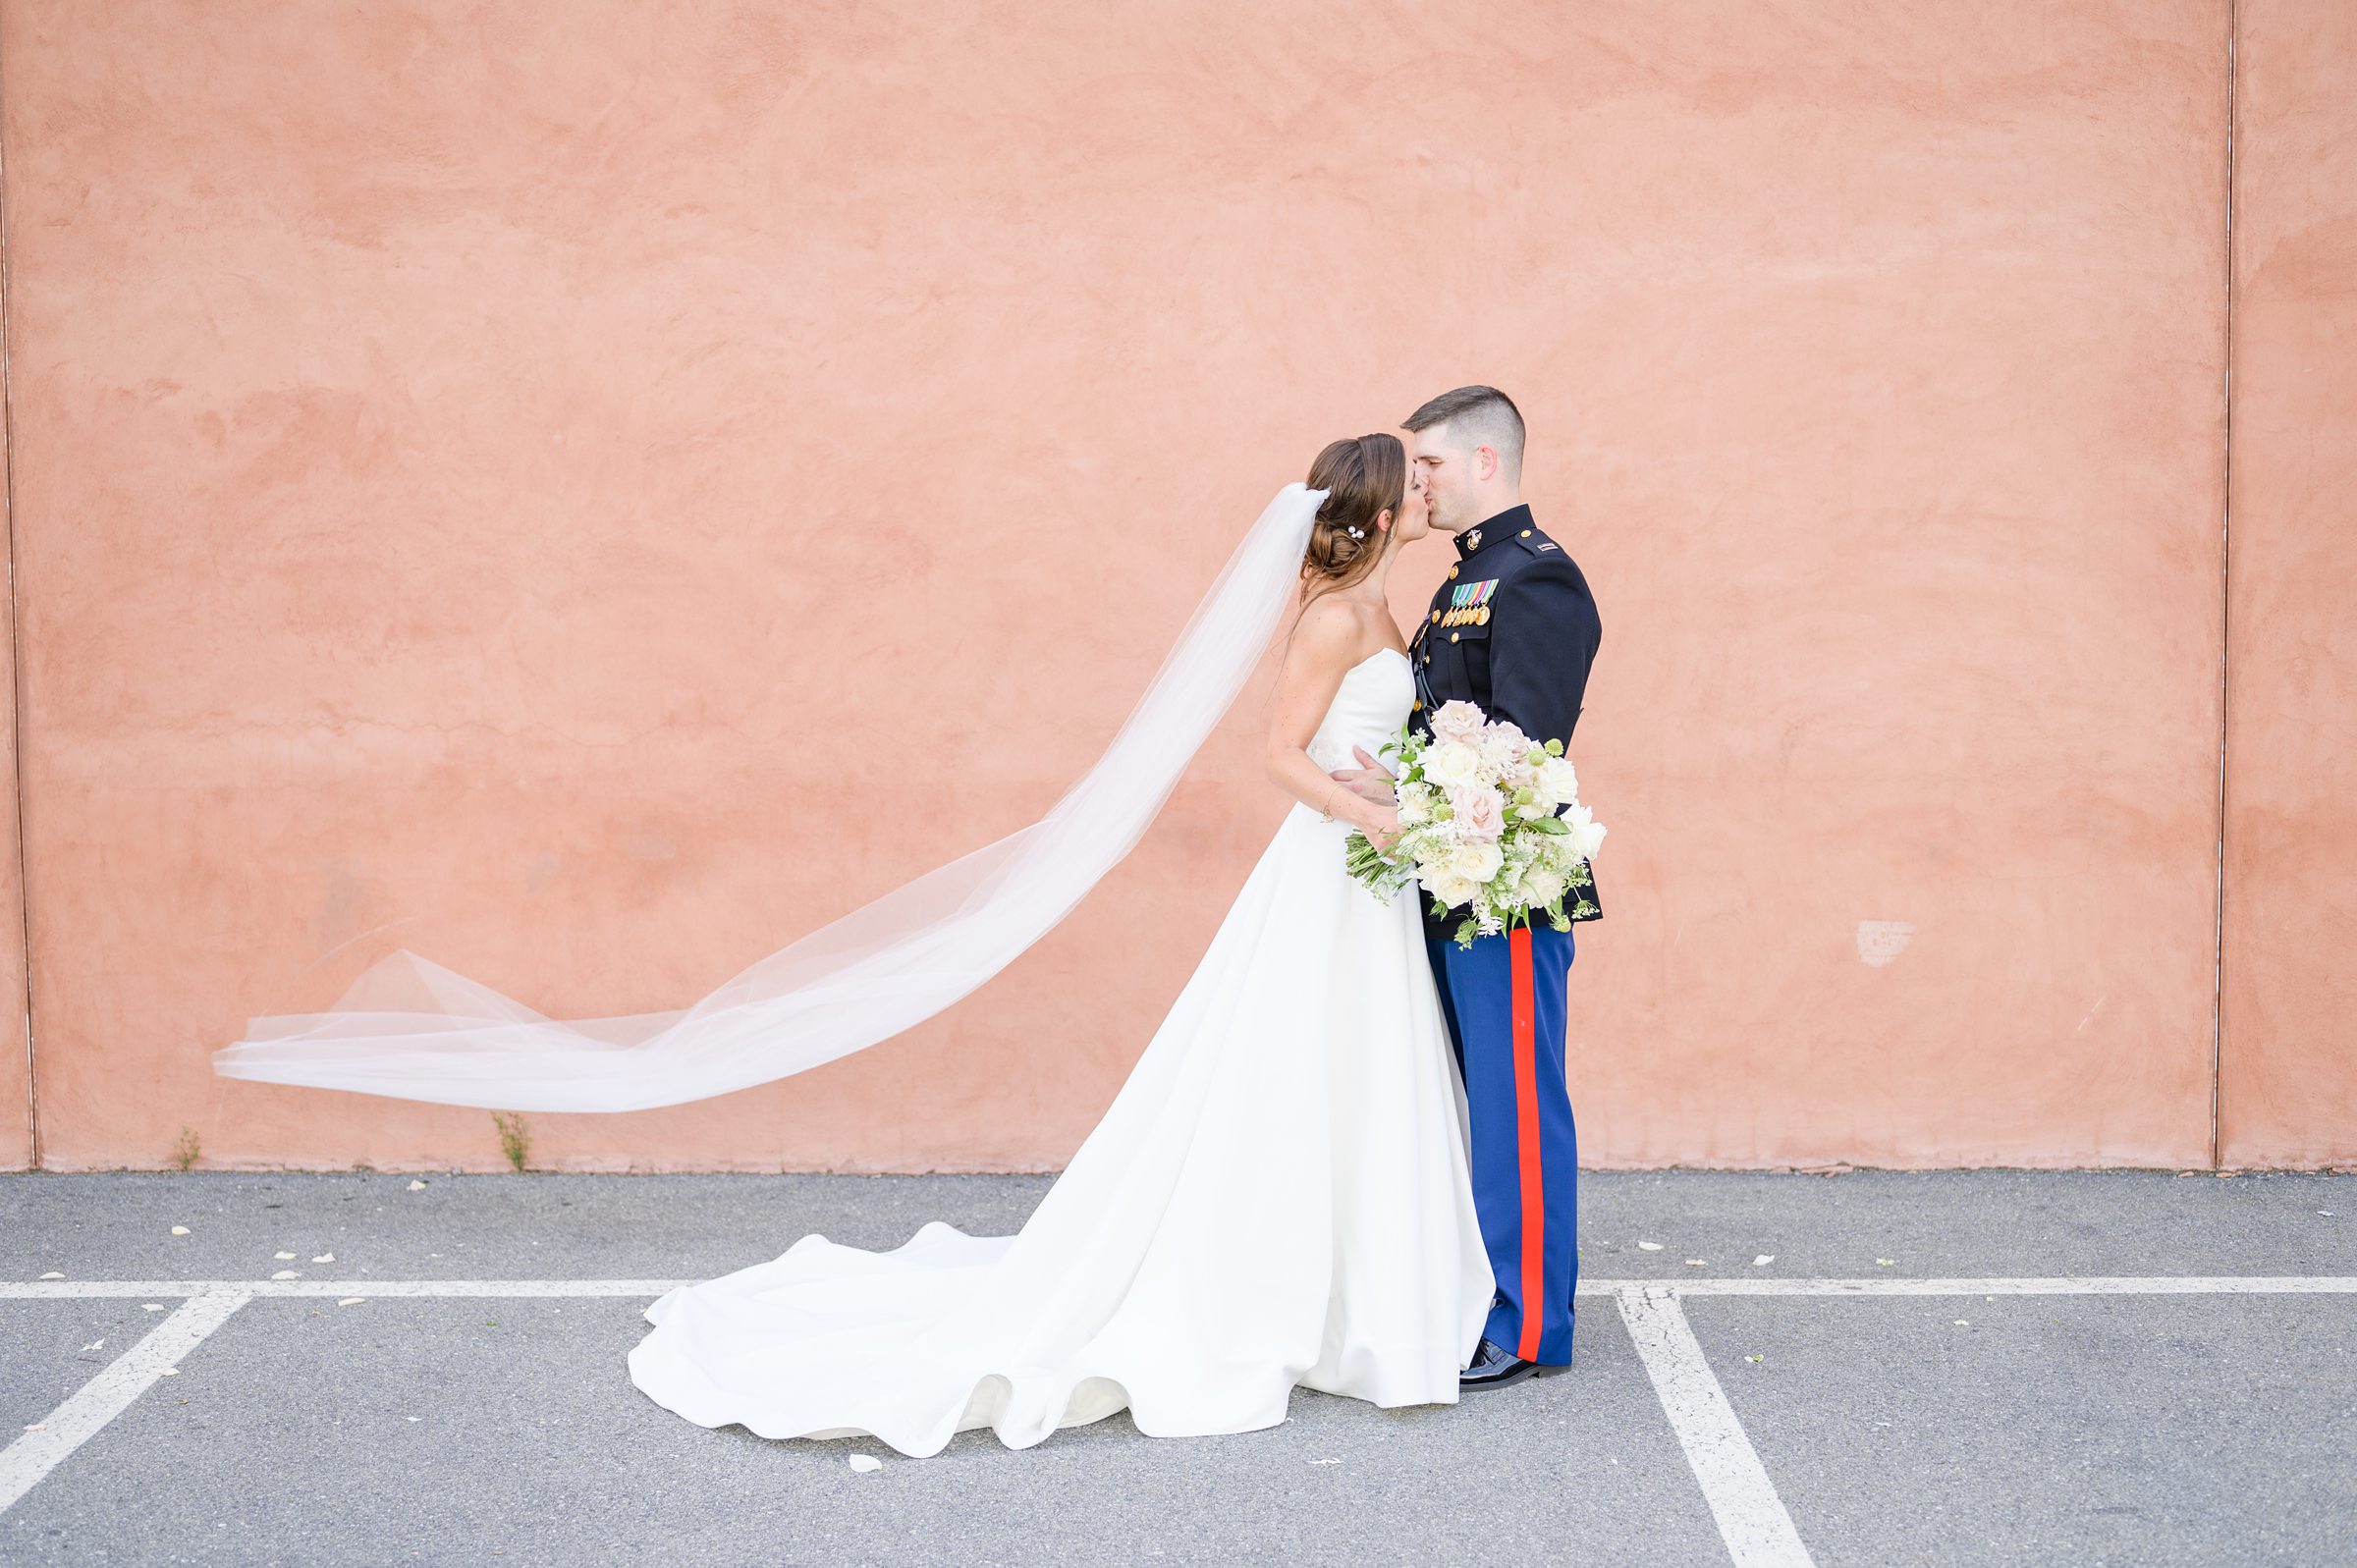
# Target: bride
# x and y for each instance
(1279, 1194)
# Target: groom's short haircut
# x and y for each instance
(1481, 417)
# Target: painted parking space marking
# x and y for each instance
(1752, 1519)
(44, 1445)
(38, 1288)
(2032, 1286)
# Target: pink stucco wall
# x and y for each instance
(2287, 1073)
(590, 503)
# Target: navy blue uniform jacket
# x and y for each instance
(1515, 630)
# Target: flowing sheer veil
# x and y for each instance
(409, 1028)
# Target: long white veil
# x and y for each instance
(409, 1028)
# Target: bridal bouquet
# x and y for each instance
(1479, 826)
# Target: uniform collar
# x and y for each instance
(1505, 525)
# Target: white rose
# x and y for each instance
(1453, 891)
(1477, 862)
(1455, 722)
(1415, 804)
(1477, 816)
(1451, 765)
(1540, 886)
(1557, 778)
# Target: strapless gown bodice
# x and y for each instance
(1368, 709)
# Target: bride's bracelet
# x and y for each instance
(1326, 812)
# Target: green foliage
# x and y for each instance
(514, 1136)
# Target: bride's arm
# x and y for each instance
(1312, 672)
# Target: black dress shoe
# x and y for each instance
(1494, 1367)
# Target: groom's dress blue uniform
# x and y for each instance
(1515, 630)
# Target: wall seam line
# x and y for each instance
(2226, 613)
(15, 651)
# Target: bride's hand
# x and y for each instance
(1368, 781)
(1382, 828)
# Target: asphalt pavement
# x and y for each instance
(2104, 1368)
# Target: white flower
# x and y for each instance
(1586, 834)
(1477, 862)
(1452, 891)
(1451, 764)
(1415, 804)
(1502, 748)
(1557, 778)
(1540, 886)
(1558, 852)
(1479, 820)
(1455, 722)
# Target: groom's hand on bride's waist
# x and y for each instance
(1368, 781)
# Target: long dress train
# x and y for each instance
(1278, 1196)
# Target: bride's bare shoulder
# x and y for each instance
(1329, 633)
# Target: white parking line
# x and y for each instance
(43, 1447)
(2033, 1285)
(36, 1289)
(1752, 1521)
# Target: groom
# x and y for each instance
(1513, 628)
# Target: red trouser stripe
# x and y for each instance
(1526, 1133)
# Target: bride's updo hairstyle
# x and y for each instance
(1362, 477)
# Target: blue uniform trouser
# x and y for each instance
(1506, 1018)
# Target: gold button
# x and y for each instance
(1452, 636)
(1417, 706)
(1527, 533)
(1452, 571)
(1436, 617)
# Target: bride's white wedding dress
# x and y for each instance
(1278, 1196)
